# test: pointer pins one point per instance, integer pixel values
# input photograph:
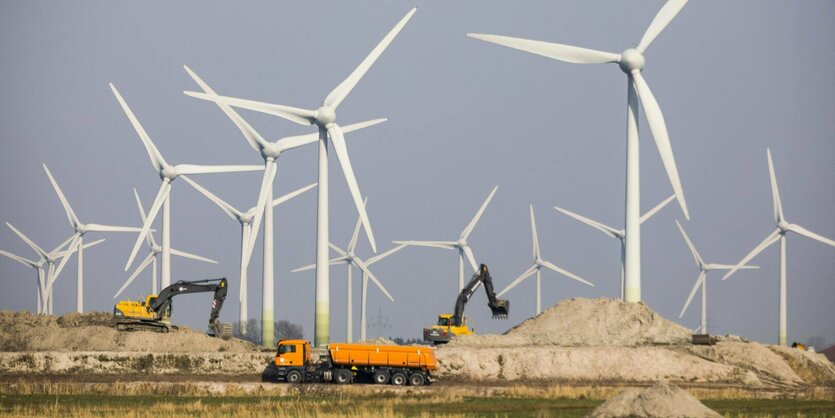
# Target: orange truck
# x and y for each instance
(296, 361)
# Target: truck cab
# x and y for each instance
(445, 329)
(292, 353)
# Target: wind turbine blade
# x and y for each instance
(293, 114)
(66, 253)
(228, 209)
(608, 230)
(70, 250)
(568, 274)
(63, 244)
(469, 229)
(658, 207)
(381, 256)
(156, 157)
(255, 140)
(469, 253)
(775, 192)
(186, 169)
(770, 239)
(162, 194)
(662, 19)
(67, 208)
(266, 184)
(19, 259)
(150, 238)
(534, 236)
(192, 256)
(809, 234)
(136, 273)
(333, 261)
(28, 241)
(362, 125)
(518, 280)
(341, 91)
(110, 228)
(446, 245)
(353, 243)
(338, 142)
(715, 266)
(662, 139)
(566, 53)
(338, 250)
(693, 251)
(692, 293)
(293, 194)
(361, 264)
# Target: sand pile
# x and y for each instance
(662, 400)
(25, 331)
(377, 341)
(588, 322)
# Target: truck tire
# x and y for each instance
(342, 377)
(381, 377)
(294, 376)
(398, 379)
(417, 379)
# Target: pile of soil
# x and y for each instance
(25, 331)
(662, 400)
(377, 341)
(583, 322)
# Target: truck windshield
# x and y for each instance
(282, 349)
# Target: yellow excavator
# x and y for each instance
(154, 313)
(454, 324)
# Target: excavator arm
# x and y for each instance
(499, 307)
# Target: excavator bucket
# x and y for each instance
(500, 308)
(220, 330)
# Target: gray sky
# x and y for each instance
(732, 79)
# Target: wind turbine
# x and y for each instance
(154, 250)
(270, 151)
(701, 280)
(538, 264)
(325, 119)
(461, 244)
(631, 62)
(349, 257)
(245, 219)
(779, 234)
(47, 260)
(620, 234)
(78, 238)
(167, 174)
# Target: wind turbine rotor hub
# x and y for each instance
(631, 60)
(325, 115)
(461, 243)
(271, 151)
(81, 229)
(246, 218)
(156, 249)
(168, 172)
(783, 226)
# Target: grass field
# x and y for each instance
(366, 405)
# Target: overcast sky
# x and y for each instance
(732, 79)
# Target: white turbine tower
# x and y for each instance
(245, 219)
(701, 280)
(154, 250)
(57, 257)
(349, 257)
(78, 238)
(329, 132)
(620, 234)
(779, 234)
(538, 264)
(631, 62)
(167, 173)
(270, 151)
(461, 244)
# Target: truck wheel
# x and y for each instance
(398, 379)
(417, 379)
(342, 377)
(294, 376)
(381, 377)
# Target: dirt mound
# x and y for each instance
(378, 341)
(588, 322)
(661, 400)
(24, 331)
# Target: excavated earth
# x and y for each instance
(607, 341)
(661, 400)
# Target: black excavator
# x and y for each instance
(450, 325)
(154, 313)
